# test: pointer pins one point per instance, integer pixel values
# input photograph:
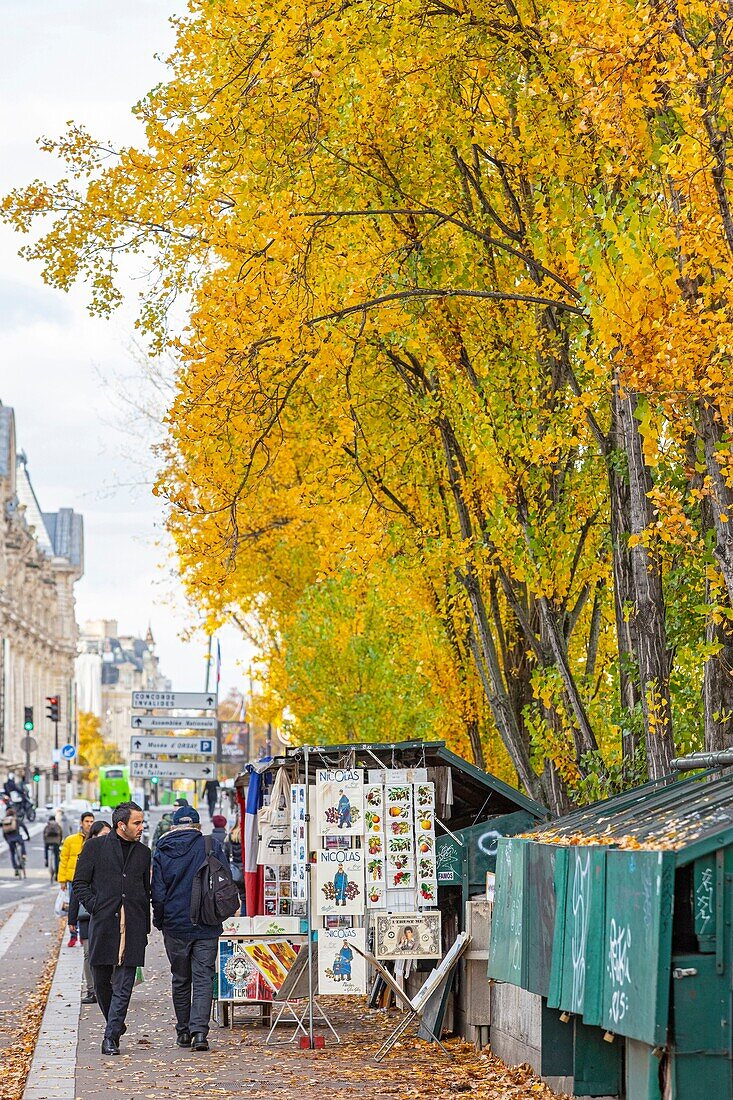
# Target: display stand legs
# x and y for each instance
(298, 1010)
(400, 1030)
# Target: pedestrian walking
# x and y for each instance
(162, 828)
(219, 832)
(11, 831)
(70, 852)
(233, 852)
(112, 882)
(191, 948)
(52, 838)
(211, 793)
(79, 918)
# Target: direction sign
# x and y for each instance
(162, 722)
(175, 700)
(173, 746)
(172, 769)
(68, 752)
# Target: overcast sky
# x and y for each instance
(62, 371)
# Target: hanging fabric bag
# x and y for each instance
(274, 825)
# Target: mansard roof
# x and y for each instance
(58, 534)
(66, 532)
(7, 442)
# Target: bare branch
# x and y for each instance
(447, 292)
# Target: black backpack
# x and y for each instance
(214, 896)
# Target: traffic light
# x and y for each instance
(36, 775)
(154, 780)
(55, 772)
(52, 707)
(28, 719)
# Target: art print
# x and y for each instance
(341, 969)
(239, 978)
(267, 963)
(408, 936)
(340, 802)
(298, 840)
(426, 880)
(340, 882)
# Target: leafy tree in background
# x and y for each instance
(457, 363)
(94, 751)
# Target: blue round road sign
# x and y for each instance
(68, 752)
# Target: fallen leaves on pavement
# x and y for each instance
(17, 1057)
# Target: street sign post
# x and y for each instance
(171, 769)
(162, 722)
(174, 746)
(175, 700)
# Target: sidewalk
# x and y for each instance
(239, 1064)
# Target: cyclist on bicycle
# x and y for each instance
(11, 831)
(52, 837)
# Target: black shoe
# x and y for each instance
(110, 1046)
(199, 1041)
(90, 999)
(184, 1039)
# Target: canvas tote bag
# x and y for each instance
(273, 822)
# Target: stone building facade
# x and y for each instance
(110, 666)
(41, 558)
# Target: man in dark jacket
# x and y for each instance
(191, 948)
(112, 882)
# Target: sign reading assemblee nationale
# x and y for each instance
(171, 769)
(166, 722)
(174, 746)
(175, 700)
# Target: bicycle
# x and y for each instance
(18, 857)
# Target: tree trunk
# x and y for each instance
(489, 669)
(618, 486)
(716, 440)
(718, 687)
(718, 670)
(648, 613)
(474, 736)
(483, 645)
(585, 740)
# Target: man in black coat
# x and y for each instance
(112, 881)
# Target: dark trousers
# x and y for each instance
(193, 964)
(211, 799)
(113, 987)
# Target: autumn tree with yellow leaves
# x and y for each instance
(453, 414)
(94, 751)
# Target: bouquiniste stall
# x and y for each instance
(376, 852)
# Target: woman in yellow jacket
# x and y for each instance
(70, 850)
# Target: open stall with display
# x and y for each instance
(380, 850)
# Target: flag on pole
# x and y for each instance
(253, 875)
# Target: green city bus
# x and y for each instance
(114, 785)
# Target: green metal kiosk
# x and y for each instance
(620, 917)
